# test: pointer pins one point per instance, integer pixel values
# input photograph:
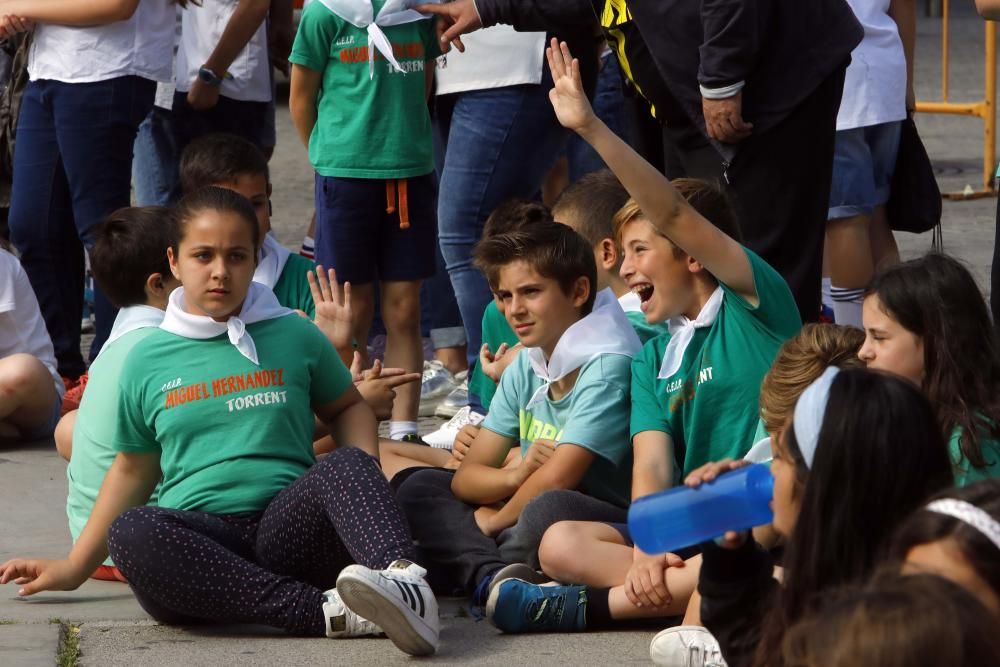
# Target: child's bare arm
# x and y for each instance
(303, 90)
(989, 9)
(351, 421)
(70, 12)
(662, 205)
(480, 479)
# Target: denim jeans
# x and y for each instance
(154, 169)
(499, 144)
(73, 167)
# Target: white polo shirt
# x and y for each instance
(201, 30)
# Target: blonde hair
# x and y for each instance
(801, 360)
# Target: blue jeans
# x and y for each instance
(154, 169)
(499, 144)
(72, 168)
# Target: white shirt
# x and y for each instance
(201, 30)
(22, 329)
(875, 84)
(142, 45)
(495, 57)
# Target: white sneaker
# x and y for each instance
(444, 437)
(435, 385)
(341, 622)
(398, 600)
(453, 402)
(686, 646)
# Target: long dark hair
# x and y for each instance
(925, 526)
(936, 298)
(854, 496)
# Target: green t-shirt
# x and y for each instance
(965, 474)
(496, 332)
(94, 431)
(644, 329)
(292, 288)
(367, 127)
(593, 415)
(231, 434)
(710, 406)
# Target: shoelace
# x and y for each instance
(704, 655)
(461, 418)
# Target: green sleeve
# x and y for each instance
(647, 413)
(329, 377)
(134, 430)
(505, 409)
(314, 40)
(776, 310)
(292, 288)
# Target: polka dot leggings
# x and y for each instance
(269, 568)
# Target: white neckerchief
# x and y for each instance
(260, 305)
(682, 331)
(271, 262)
(605, 330)
(130, 319)
(630, 302)
(360, 14)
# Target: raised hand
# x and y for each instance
(494, 364)
(568, 99)
(334, 315)
(454, 20)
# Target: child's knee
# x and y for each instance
(132, 533)
(559, 549)
(22, 374)
(401, 309)
(64, 434)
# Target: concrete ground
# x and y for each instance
(101, 624)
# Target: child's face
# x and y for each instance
(945, 559)
(215, 263)
(255, 188)
(784, 503)
(888, 345)
(663, 281)
(536, 307)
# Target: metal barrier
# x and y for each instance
(984, 109)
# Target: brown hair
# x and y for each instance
(903, 621)
(552, 250)
(801, 360)
(212, 198)
(592, 202)
(129, 247)
(514, 214)
(219, 158)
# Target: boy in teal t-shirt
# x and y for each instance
(130, 265)
(358, 99)
(564, 402)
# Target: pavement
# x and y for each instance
(101, 624)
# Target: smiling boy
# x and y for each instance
(564, 401)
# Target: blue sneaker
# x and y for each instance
(517, 606)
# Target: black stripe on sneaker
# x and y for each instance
(405, 592)
(419, 596)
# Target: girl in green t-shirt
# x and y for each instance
(926, 320)
(250, 529)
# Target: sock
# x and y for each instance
(847, 305)
(308, 247)
(398, 429)
(598, 613)
(827, 297)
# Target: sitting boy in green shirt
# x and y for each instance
(564, 402)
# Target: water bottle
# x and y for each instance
(681, 517)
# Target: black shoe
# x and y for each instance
(413, 439)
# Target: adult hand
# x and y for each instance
(334, 314)
(494, 364)
(646, 582)
(724, 119)
(202, 96)
(12, 25)
(463, 441)
(36, 575)
(711, 471)
(454, 20)
(568, 99)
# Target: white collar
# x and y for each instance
(132, 318)
(630, 302)
(271, 261)
(260, 305)
(605, 330)
(682, 330)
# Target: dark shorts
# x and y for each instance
(357, 236)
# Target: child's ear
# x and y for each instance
(154, 284)
(581, 291)
(694, 266)
(172, 259)
(609, 254)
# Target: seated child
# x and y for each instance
(926, 320)
(218, 403)
(589, 206)
(31, 390)
(129, 261)
(563, 402)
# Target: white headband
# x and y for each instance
(809, 412)
(969, 514)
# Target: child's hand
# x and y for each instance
(483, 517)
(494, 364)
(541, 450)
(37, 575)
(334, 315)
(710, 471)
(568, 99)
(464, 440)
(377, 385)
(646, 581)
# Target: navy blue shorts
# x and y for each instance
(363, 241)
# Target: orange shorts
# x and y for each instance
(108, 573)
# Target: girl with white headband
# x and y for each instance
(249, 527)
(957, 536)
(926, 320)
(839, 491)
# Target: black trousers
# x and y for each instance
(780, 184)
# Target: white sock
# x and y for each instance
(827, 297)
(308, 247)
(847, 305)
(398, 429)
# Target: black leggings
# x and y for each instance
(267, 568)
